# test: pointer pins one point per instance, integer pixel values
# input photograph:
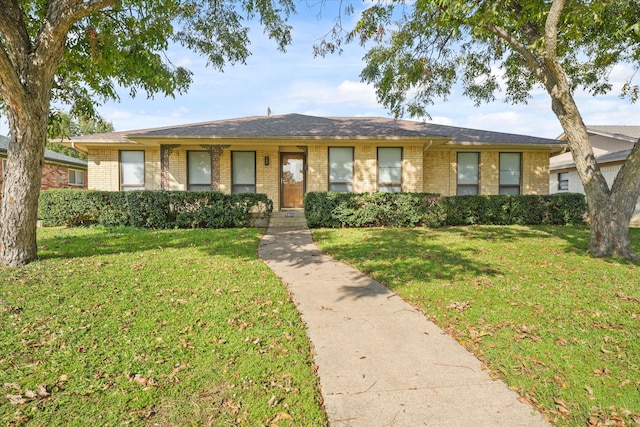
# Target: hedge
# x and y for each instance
(152, 209)
(327, 209)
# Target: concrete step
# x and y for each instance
(288, 219)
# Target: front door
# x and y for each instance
(292, 180)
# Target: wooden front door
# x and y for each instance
(292, 180)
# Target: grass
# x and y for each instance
(135, 327)
(559, 326)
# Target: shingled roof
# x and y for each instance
(49, 156)
(298, 126)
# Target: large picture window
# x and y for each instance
(131, 170)
(341, 169)
(199, 166)
(510, 167)
(243, 171)
(390, 170)
(468, 176)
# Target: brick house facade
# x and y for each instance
(287, 156)
(59, 170)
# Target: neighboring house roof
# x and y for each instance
(617, 156)
(298, 126)
(49, 156)
(629, 133)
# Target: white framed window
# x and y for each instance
(243, 171)
(510, 168)
(563, 181)
(199, 171)
(390, 170)
(76, 177)
(131, 170)
(341, 169)
(468, 174)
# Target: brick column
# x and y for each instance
(165, 153)
(215, 151)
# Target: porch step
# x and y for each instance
(288, 219)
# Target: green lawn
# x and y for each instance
(178, 327)
(561, 327)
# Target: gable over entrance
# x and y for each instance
(289, 155)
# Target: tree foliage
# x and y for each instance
(79, 53)
(424, 48)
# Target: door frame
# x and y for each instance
(304, 176)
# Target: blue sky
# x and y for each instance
(296, 82)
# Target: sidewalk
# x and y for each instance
(381, 362)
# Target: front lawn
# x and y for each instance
(138, 327)
(558, 325)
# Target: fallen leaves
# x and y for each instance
(28, 395)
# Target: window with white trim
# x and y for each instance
(199, 171)
(468, 174)
(131, 170)
(563, 181)
(341, 169)
(243, 171)
(390, 170)
(510, 171)
(76, 177)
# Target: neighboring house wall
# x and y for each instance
(53, 176)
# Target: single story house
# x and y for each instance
(288, 155)
(611, 146)
(59, 170)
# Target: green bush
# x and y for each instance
(328, 209)
(332, 210)
(152, 209)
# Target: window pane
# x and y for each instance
(389, 165)
(510, 190)
(341, 187)
(563, 181)
(509, 168)
(340, 164)
(132, 168)
(468, 168)
(243, 171)
(199, 169)
(467, 190)
(390, 188)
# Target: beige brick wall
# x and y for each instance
(489, 172)
(318, 168)
(103, 170)
(535, 174)
(412, 169)
(365, 178)
(438, 172)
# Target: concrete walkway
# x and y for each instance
(381, 362)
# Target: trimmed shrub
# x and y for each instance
(152, 209)
(327, 209)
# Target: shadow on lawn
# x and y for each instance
(87, 242)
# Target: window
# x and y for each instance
(76, 177)
(390, 170)
(199, 171)
(4, 166)
(468, 166)
(510, 164)
(341, 169)
(131, 170)
(243, 171)
(563, 181)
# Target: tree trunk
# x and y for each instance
(610, 210)
(22, 179)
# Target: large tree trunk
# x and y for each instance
(610, 210)
(19, 212)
